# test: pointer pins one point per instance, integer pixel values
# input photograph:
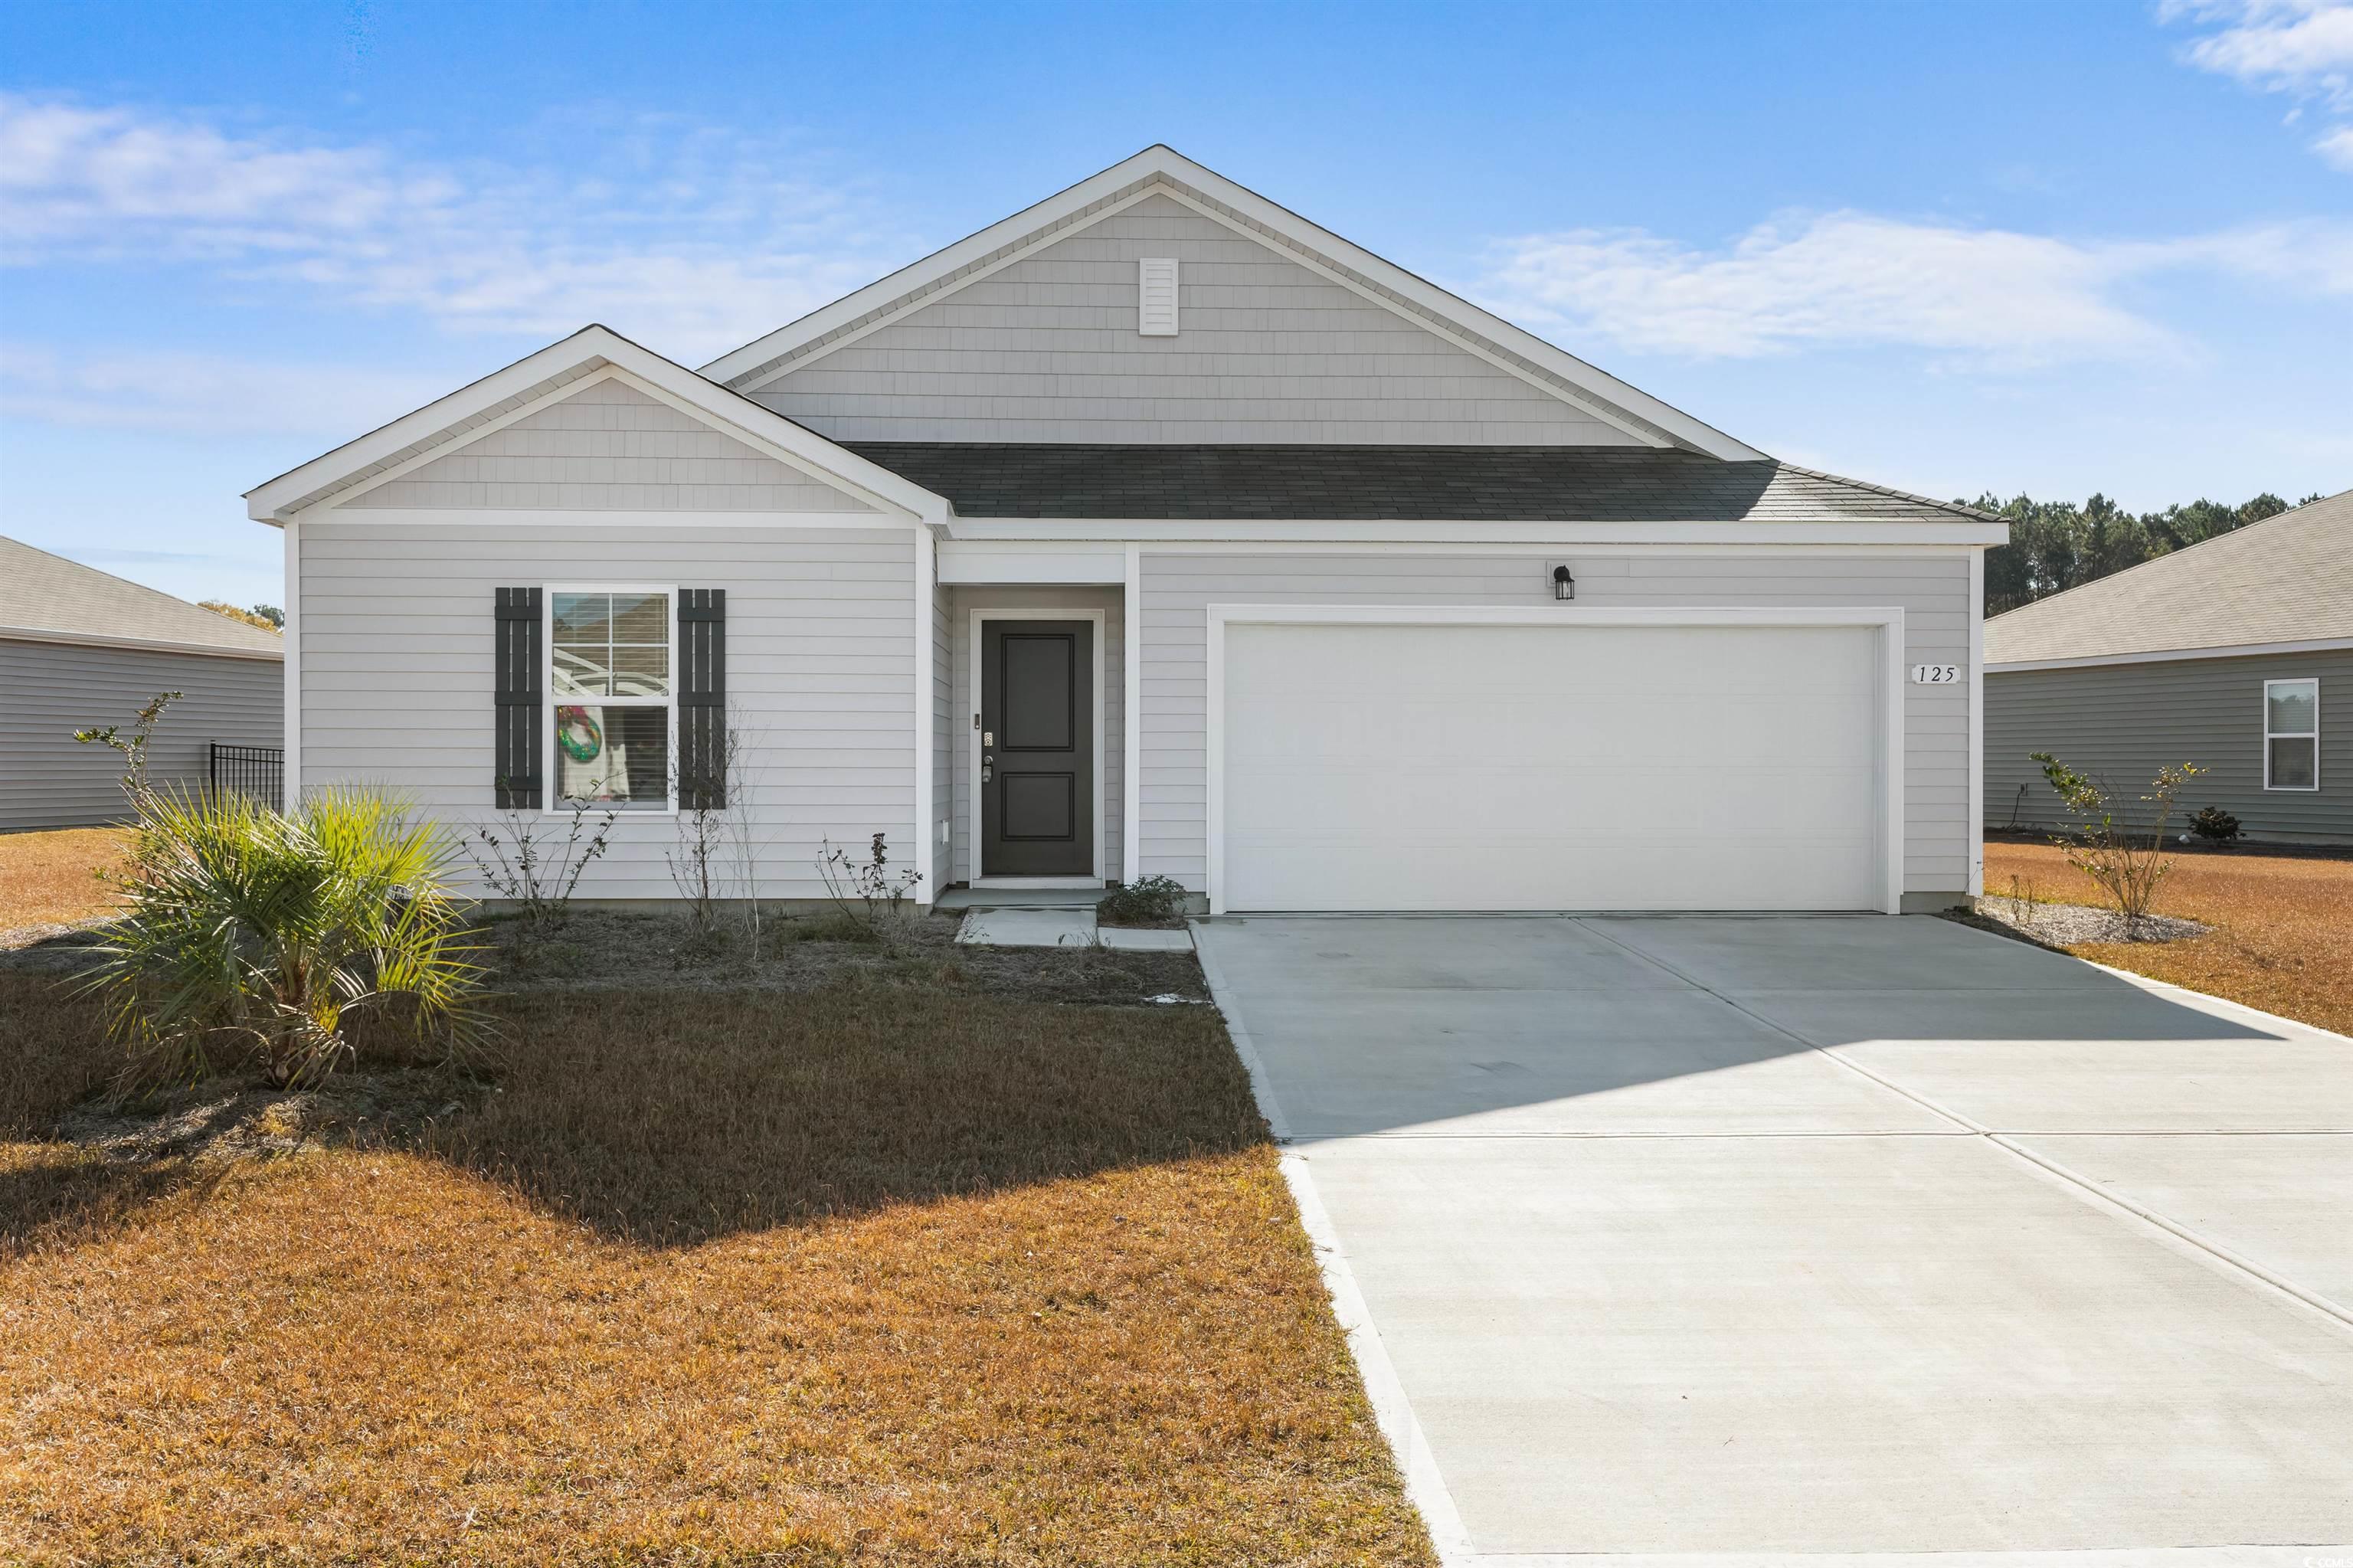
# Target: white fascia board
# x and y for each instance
(1957, 533)
(1095, 563)
(329, 515)
(138, 644)
(1040, 222)
(2173, 655)
(273, 501)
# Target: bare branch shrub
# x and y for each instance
(521, 860)
(868, 897)
(133, 746)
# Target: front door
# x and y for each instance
(1037, 749)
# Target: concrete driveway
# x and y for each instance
(1815, 1235)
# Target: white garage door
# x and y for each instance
(1547, 767)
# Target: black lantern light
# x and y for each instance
(1564, 586)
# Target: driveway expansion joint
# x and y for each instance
(2266, 1279)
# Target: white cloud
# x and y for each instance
(99, 180)
(1985, 298)
(692, 241)
(2280, 46)
(2301, 48)
(195, 394)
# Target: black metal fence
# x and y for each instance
(256, 770)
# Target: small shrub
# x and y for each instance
(265, 937)
(133, 746)
(2215, 826)
(1146, 901)
(522, 860)
(2125, 858)
(2025, 900)
(867, 892)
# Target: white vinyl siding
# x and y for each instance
(397, 630)
(49, 690)
(1113, 652)
(1177, 586)
(607, 447)
(1047, 350)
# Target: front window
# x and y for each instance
(2291, 734)
(610, 698)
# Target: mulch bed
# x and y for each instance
(598, 950)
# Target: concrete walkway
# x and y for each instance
(1062, 927)
(1752, 1237)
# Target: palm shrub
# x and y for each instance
(262, 936)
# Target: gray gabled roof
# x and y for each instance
(1437, 484)
(52, 599)
(2288, 578)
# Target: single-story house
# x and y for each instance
(1154, 530)
(81, 649)
(2234, 655)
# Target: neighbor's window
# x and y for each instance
(2291, 734)
(610, 698)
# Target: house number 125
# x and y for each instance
(1935, 674)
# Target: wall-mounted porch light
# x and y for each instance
(1564, 586)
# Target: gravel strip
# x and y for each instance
(2067, 924)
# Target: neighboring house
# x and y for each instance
(1154, 530)
(2234, 655)
(81, 649)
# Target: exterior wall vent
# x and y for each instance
(1156, 312)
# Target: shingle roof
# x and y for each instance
(2288, 578)
(48, 594)
(1438, 484)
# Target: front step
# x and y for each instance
(1020, 898)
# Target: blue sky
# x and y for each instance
(2055, 248)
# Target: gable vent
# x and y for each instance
(1155, 310)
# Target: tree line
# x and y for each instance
(2056, 545)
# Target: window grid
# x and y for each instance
(564, 690)
(2307, 777)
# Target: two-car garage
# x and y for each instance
(1636, 759)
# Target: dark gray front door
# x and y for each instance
(1038, 749)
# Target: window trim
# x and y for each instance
(2312, 735)
(550, 806)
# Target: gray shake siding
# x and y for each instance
(607, 447)
(1113, 718)
(1176, 589)
(822, 665)
(2123, 722)
(1047, 350)
(49, 690)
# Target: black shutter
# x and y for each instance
(702, 699)
(518, 741)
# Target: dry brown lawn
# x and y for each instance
(49, 879)
(859, 1275)
(2284, 937)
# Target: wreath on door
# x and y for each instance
(579, 735)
